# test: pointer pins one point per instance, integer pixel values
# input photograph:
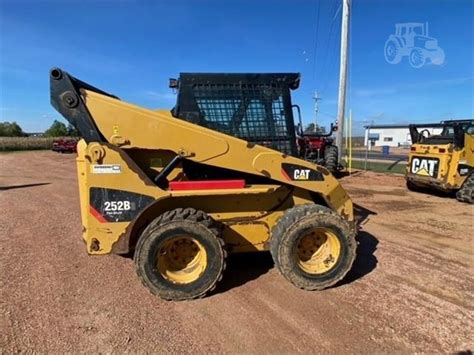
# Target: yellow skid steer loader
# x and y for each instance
(180, 192)
(443, 161)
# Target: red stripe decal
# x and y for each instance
(283, 172)
(97, 215)
(206, 185)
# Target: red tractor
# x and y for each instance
(319, 148)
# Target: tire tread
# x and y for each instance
(182, 214)
(291, 217)
(331, 158)
(466, 192)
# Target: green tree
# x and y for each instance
(57, 129)
(72, 131)
(10, 129)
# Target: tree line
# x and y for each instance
(57, 129)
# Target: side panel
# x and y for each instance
(113, 191)
(117, 201)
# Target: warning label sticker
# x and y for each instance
(106, 169)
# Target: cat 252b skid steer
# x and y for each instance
(182, 195)
(443, 161)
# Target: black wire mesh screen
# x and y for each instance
(259, 111)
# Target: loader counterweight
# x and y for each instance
(130, 162)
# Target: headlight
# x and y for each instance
(464, 170)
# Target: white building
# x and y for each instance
(391, 135)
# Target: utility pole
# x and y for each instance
(316, 99)
(342, 76)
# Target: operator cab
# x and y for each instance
(253, 107)
(452, 132)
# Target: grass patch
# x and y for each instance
(380, 167)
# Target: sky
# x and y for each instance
(130, 48)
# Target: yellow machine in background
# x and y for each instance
(443, 161)
(180, 193)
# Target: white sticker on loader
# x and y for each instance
(424, 167)
(106, 169)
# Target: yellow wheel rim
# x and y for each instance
(318, 251)
(181, 259)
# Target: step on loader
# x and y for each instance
(181, 196)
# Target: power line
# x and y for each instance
(317, 37)
(337, 12)
(328, 114)
(333, 50)
(323, 68)
(332, 56)
(327, 45)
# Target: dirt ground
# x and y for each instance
(410, 289)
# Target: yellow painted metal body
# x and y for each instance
(448, 177)
(143, 141)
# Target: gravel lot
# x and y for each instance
(409, 291)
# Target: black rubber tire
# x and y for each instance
(331, 158)
(178, 221)
(466, 192)
(412, 186)
(289, 230)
